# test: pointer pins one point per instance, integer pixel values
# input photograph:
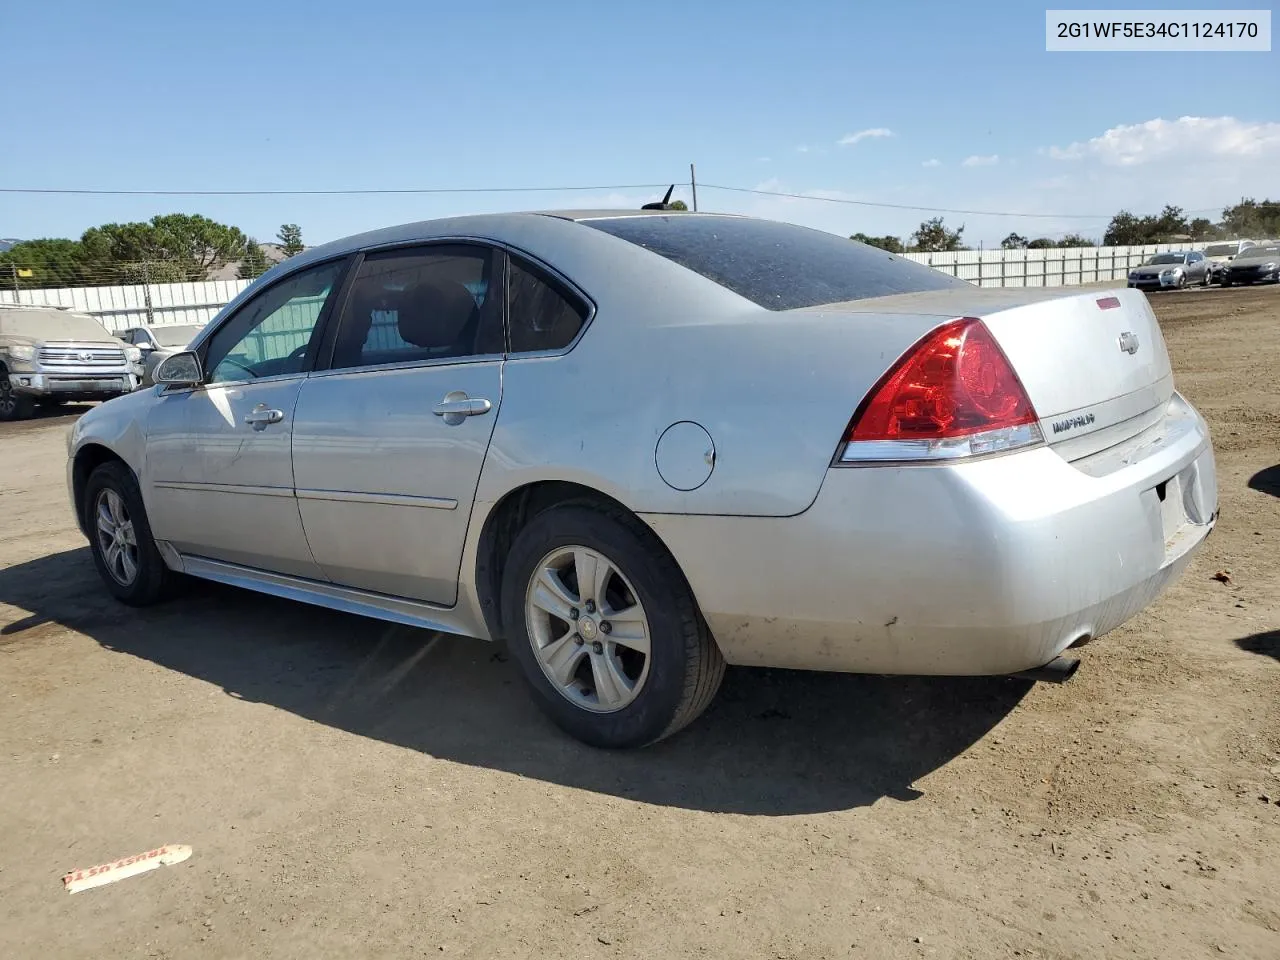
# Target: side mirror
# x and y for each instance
(180, 370)
(145, 347)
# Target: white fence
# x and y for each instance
(120, 308)
(1053, 267)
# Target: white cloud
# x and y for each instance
(977, 161)
(935, 162)
(1184, 139)
(764, 159)
(803, 148)
(849, 139)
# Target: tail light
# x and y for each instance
(954, 394)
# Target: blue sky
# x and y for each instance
(320, 95)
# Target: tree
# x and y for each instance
(1251, 219)
(677, 205)
(255, 262)
(892, 244)
(290, 237)
(932, 236)
(1126, 230)
(1014, 241)
(1172, 222)
(1075, 240)
(169, 247)
(1202, 229)
(1041, 243)
(53, 263)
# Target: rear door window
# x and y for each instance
(425, 303)
(778, 266)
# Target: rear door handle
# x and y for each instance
(260, 416)
(456, 406)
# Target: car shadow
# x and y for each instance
(774, 742)
(1265, 644)
(1266, 480)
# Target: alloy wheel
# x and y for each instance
(116, 537)
(588, 629)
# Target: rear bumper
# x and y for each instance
(70, 386)
(988, 567)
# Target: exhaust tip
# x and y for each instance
(1057, 670)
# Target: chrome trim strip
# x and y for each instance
(388, 499)
(405, 365)
(223, 488)
(412, 613)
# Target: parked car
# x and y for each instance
(639, 446)
(158, 342)
(50, 356)
(1166, 271)
(1222, 253)
(1254, 265)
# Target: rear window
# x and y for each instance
(778, 266)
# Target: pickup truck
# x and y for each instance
(50, 356)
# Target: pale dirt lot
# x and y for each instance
(353, 790)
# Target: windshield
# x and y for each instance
(778, 266)
(1221, 249)
(178, 335)
(1167, 258)
(51, 325)
(1270, 250)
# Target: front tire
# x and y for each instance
(605, 628)
(124, 550)
(14, 405)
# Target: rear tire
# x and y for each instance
(587, 671)
(124, 551)
(13, 405)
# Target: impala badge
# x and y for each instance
(1129, 342)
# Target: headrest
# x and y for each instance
(433, 314)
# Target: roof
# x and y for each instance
(606, 213)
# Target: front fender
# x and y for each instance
(115, 429)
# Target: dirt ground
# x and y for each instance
(354, 790)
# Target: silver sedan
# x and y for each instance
(638, 446)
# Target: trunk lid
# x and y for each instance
(1094, 362)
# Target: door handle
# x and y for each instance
(457, 405)
(260, 416)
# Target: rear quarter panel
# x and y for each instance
(775, 390)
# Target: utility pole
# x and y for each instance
(146, 292)
(14, 268)
(693, 186)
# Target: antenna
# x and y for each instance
(663, 204)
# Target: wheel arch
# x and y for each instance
(511, 513)
(87, 459)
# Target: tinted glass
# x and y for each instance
(1267, 251)
(1221, 249)
(428, 303)
(1160, 258)
(270, 334)
(777, 265)
(543, 316)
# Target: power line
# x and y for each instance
(325, 193)
(906, 206)
(561, 189)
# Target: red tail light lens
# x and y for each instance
(954, 383)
